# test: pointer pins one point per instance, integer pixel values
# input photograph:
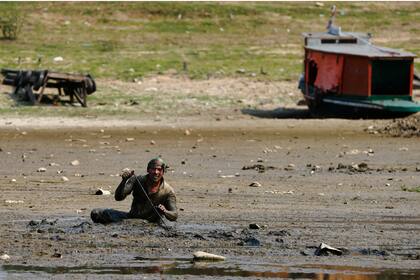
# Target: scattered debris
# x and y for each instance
(8, 201)
(279, 233)
(258, 167)
(405, 127)
(229, 176)
(254, 226)
(290, 167)
(57, 255)
(361, 167)
(5, 257)
(255, 184)
(280, 192)
(250, 241)
(204, 256)
(325, 250)
(374, 252)
(102, 192)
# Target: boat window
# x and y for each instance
(391, 77)
(339, 41)
(328, 41)
(348, 41)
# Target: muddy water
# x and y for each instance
(183, 267)
(304, 199)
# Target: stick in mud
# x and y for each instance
(163, 224)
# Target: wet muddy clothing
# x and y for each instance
(140, 207)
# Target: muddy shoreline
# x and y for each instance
(321, 181)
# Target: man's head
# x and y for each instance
(156, 168)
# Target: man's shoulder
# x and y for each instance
(167, 187)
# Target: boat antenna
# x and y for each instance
(333, 30)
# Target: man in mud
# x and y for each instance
(151, 186)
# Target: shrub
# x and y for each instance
(10, 22)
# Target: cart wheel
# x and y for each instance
(30, 94)
(80, 95)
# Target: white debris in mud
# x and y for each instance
(75, 162)
(8, 201)
(102, 192)
(290, 167)
(129, 139)
(41, 169)
(64, 179)
(255, 184)
(353, 152)
(204, 256)
(229, 176)
(280, 192)
(5, 257)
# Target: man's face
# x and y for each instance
(156, 172)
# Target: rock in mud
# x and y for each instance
(102, 192)
(374, 252)
(279, 233)
(361, 167)
(57, 255)
(199, 236)
(64, 179)
(5, 257)
(204, 256)
(255, 184)
(258, 167)
(254, 226)
(290, 167)
(405, 127)
(325, 250)
(250, 241)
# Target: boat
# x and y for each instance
(345, 74)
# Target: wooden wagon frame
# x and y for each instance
(33, 84)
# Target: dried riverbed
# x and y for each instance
(317, 180)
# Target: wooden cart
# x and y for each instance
(32, 84)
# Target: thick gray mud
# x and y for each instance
(319, 181)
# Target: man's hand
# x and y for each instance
(161, 209)
(127, 173)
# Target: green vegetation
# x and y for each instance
(130, 40)
(407, 189)
(108, 39)
(10, 21)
